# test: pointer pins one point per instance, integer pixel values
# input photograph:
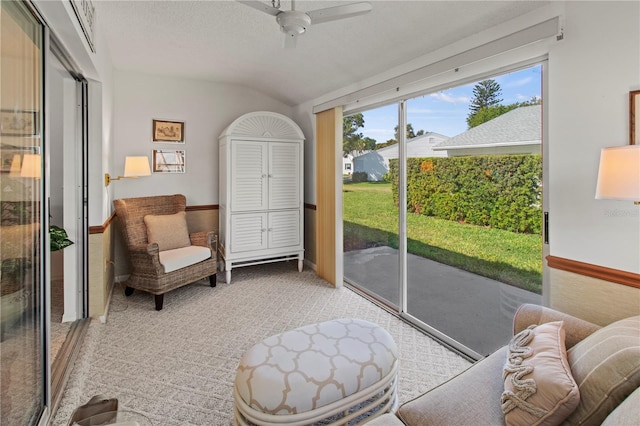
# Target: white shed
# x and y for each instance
(376, 163)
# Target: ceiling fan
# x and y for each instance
(294, 22)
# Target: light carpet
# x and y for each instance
(177, 366)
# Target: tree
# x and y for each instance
(410, 135)
(386, 144)
(351, 139)
(485, 94)
(533, 101)
(369, 144)
(488, 113)
(410, 132)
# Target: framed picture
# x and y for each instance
(168, 131)
(12, 160)
(18, 123)
(634, 121)
(86, 13)
(169, 161)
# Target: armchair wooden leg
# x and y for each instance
(159, 301)
(212, 280)
(128, 291)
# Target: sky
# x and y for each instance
(445, 112)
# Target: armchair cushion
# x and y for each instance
(606, 366)
(169, 231)
(539, 387)
(175, 259)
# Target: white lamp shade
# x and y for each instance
(619, 173)
(136, 166)
(31, 166)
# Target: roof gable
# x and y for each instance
(516, 127)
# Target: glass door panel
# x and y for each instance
(370, 215)
(21, 227)
(474, 188)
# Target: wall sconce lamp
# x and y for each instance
(619, 174)
(133, 167)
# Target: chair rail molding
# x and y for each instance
(595, 271)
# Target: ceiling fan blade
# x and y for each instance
(339, 12)
(263, 7)
(290, 41)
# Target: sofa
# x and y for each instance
(600, 371)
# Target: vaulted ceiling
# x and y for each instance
(226, 41)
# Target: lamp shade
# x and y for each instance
(15, 166)
(31, 166)
(619, 173)
(136, 166)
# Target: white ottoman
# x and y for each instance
(332, 372)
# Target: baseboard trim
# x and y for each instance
(311, 265)
(63, 364)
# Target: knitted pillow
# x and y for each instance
(169, 230)
(606, 366)
(538, 386)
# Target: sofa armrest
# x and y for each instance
(469, 398)
(576, 329)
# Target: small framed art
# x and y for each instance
(169, 160)
(168, 131)
(18, 123)
(634, 120)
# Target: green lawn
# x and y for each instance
(370, 219)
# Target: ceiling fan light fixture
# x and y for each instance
(293, 22)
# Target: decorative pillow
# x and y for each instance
(169, 230)
(606, 366)
(538, 386)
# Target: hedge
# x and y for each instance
(503, 192)
(359, 177)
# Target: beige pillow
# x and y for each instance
(538, 386)
(169, 230)
(606, 366)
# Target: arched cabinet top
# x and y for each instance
(263, 124)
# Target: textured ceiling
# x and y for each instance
(225, 41)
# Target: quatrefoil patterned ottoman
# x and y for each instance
(334, 372)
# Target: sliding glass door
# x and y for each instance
(462, 213)
(67, 194)
(23, 221)
(370, 215)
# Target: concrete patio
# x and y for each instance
(473, 310)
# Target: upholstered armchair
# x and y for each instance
(163, 255)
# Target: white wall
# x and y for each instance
(205, 107)
(590, 75)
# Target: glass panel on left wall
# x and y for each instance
(22, 393)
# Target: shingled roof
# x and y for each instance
(521, 126)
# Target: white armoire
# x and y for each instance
(261, 191)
